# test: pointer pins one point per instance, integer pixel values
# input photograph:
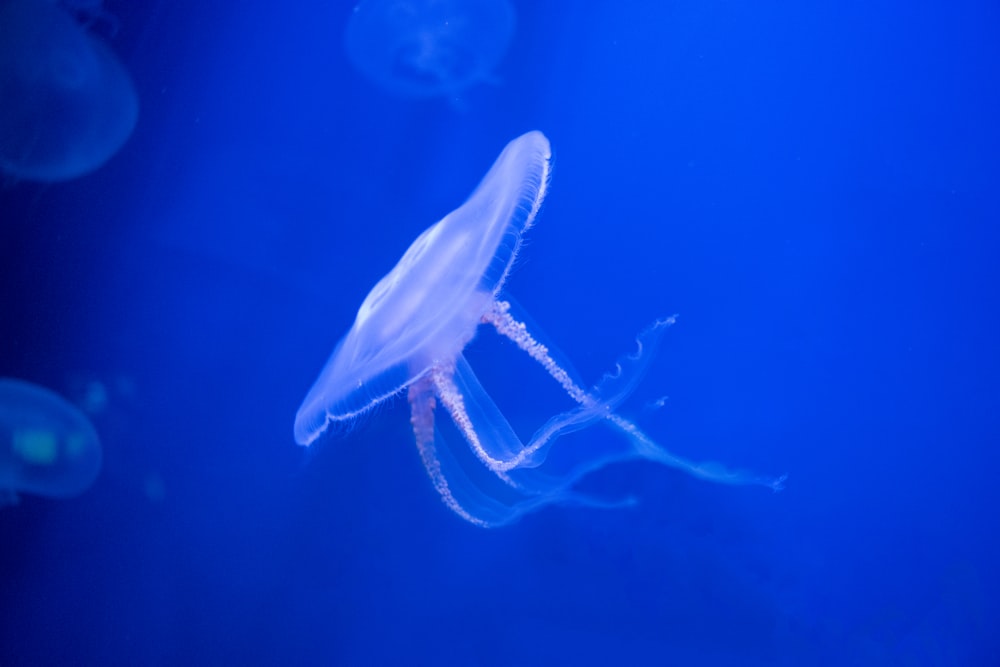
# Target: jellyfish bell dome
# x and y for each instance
(68, 104)
(429, 306)
(428, 48)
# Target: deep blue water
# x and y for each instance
(815, 189)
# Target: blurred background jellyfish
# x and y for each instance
(47, 446)
(66, 102)
(90, 14)
(426, 48)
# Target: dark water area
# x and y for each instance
(814, 189)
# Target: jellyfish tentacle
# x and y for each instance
(710, 471)
(614, 388)
(620, 384)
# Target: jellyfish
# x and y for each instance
(47, 446)
(428, 48)
(409, 336)
(68, 104)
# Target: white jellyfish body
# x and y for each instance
(409, 337)
(427, 48)
(47, 446)
(68, 105)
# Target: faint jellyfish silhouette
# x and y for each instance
(426, 48)
(47, 446)
(68, 104)
(410, 332)
(90, 14)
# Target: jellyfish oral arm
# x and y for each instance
(505, 324)
(502, 477)
(451, 398)
(421, 398)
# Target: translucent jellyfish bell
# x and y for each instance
(68, 105)
(47, 446)
(410, 333)
(425, 48)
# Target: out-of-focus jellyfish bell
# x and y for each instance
(66, 103)
(426, 48)
(47, 446)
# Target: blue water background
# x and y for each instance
(813, 187)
